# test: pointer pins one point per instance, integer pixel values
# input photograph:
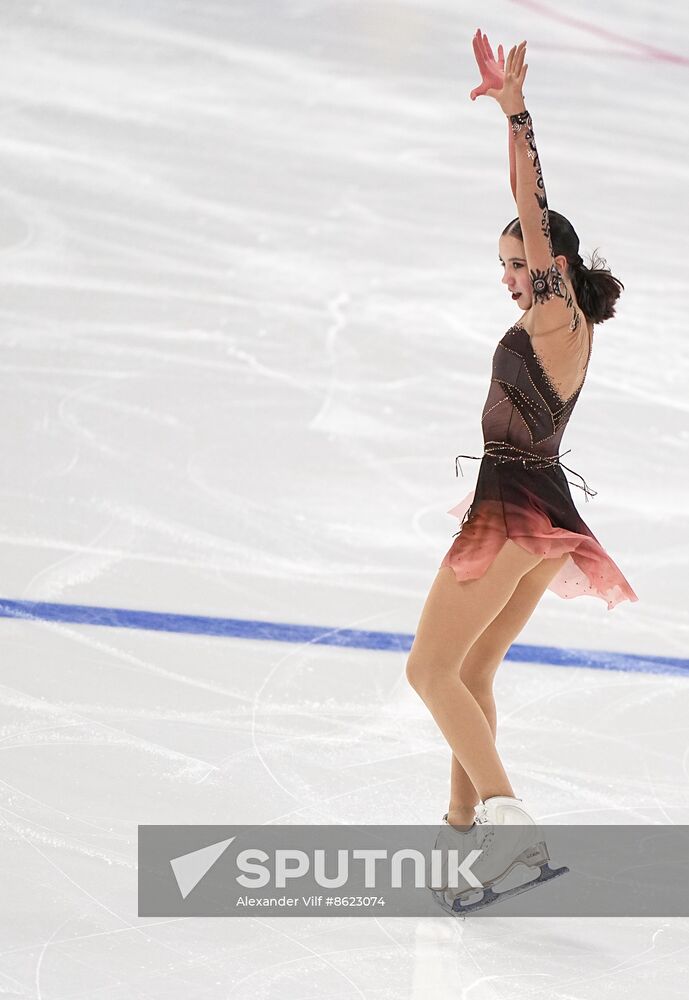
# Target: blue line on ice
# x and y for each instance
(240, 628)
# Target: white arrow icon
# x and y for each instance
(189, 869)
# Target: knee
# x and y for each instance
(423, 674)
(481, 689)
(479, 679)
(415, 673)
(478, 673)
(420, 675)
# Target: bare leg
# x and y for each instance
(454, 616)
(463, 795)
(480, 665)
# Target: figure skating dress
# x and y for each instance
(522, 492)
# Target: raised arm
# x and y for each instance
(551, 297)
(492, 76)
(503, 81)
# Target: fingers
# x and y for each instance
(515, 59)
(487, 48)
(519, 59)
(480, 49)
(483, 44)
(514, 65)
(478, 52)
(484, 51)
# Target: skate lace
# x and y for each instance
(481, 813)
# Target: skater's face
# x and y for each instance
(516, 273)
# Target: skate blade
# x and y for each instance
(534, 855)
(490, 896)
(439, 896)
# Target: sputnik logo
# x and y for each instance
(190, 868)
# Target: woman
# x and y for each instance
(521, 533)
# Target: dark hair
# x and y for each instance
(596, 288)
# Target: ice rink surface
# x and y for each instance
(250, 292)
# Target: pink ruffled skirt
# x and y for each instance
(535, 510)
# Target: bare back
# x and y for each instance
(562, 354)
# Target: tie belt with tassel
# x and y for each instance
(502, 451)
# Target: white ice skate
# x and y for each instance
(463, 841)
(519, 843)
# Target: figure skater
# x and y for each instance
(520, 531)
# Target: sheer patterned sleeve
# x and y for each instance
(513, 162)
(550, 292)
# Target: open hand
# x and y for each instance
(492, 72)
(506, 87)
